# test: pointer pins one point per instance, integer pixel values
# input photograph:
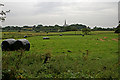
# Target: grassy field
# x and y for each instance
(70, 56)
(16, 35)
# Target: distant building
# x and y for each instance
(65, 24)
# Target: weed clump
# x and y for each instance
(47, 57)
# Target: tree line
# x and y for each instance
(55, 28)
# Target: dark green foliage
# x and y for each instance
(11, 28)
(40, 27)
(67, 28)
(55, 28)
(3, 14)
(47, 57)
(13, 72)
(102, 29)
(37, 30)
(117, 29)
(86, 31)
(8, 74)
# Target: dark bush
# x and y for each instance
(117, 29)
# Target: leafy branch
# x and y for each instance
(3, 14)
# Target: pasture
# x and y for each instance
(69, 56)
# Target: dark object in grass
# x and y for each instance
(25, 36)
(83, 35)
(60, 34)
(46, 38)
(104, 67)
(19, 31)
(69, 51)
(47, 58)
(7, 45)
(43, 45)
(22, 44)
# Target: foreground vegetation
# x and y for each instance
(67, 56)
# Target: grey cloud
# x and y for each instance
(73, 7)
(19, 9)
(48, 7)
(50, 13)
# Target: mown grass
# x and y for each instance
(6, 35)
(70, 56)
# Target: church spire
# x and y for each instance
(65, 24)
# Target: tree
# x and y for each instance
(25, 26)
(117, 29)
(39, 26)
(86, 31)
(67, 28)
(56, 25)
(3, 14)
(74, 29)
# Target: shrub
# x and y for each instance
(86, 31)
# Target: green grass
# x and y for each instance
(68, 57)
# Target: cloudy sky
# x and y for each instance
(33, 12)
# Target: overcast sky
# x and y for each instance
(34, 12)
